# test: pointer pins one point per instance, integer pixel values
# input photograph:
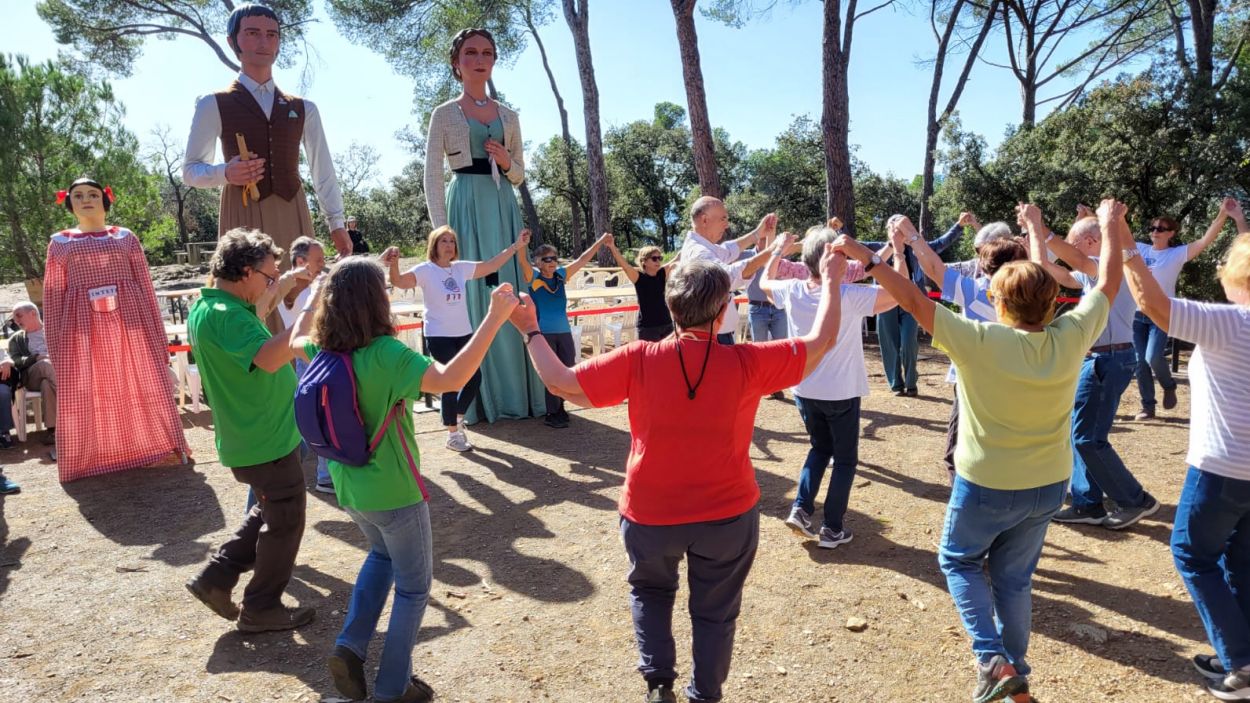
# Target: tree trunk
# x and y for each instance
(696, 99)
(579, 22)
(835, 120)
(575, 216)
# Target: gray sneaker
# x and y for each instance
(1093, 515)
(1121, 518)
(457, 442)
(1210, 666)
(998, 680)
(830, 539)
(1234, 687)
(801, 522)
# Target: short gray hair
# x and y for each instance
(26, 305)
(300, 248)
(990, 232)
(696, 292)
(814, 246)
(702, 205)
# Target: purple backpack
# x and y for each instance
(327, 414)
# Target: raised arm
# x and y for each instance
(769, 279)
(824, 333)
(672, 264)
(301, 331)
(627, 268)
(586, 256)
(558, 378)
(766, 228)
(908, 295)
(1115, 236)
(444, 378)
(930, 262)
(1065, 251)
(496, 262)
(390, 258)
(523, 260)
(1193, 249)
(1030, 219)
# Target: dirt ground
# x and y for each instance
(529, 601)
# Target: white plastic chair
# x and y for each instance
(20, 401)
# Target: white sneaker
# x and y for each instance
(457, 442)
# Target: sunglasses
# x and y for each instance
(655, 258)
(1157, 228)
(549, 259)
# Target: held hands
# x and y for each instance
(852, 249)
(240, 172)
(1029, 216)
(783, 244)
(1231, 207)
(967, 219)
(832, 265)
(500, 154)
(835, 223)
(523, 315)
(391, 255)
(502, 302)
(1111, 218)
(1083, 211)
(522, 240)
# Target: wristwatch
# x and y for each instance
(872, 263)
(529, 336)
(913, 238)
(1129, 254)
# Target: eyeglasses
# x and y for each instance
(549, 259)
(655, 257)
(270, 280)
(1157, 228)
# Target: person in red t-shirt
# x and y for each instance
(689, 485)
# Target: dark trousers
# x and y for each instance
(656, 333)
(268, 540)
(721, 553)
(562, 344)
(455, 403)
(833, 432)
(952, 433)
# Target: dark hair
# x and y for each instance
(248, 9)
(354, 309)
(300, 248)
(995, 253)
(240, 249)
(1171, 225)
(458, 42)
(84, 181)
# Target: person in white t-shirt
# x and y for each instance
(1165, 260)
(1211, 531)
(828, 399)
(447, 327)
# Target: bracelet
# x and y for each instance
(529, 336)
(306, 309)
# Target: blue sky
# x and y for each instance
(758, 79)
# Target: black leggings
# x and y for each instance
(444, 349)
(562, 343)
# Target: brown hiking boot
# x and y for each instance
(280, 618)
(217, 599)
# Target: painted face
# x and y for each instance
(87, 201)
(446, 249)
(476, 59)
(258, 41)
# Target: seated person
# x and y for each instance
(8, 381)
(29, 351)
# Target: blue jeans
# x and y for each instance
(1009, 527)
(1151, 345)
(833, 431)
(6, 408)
(896, 332)
(1211, 548)
(767, 322)
(401, 553)
(1097, 468)
(725, 338)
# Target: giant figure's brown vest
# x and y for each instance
(276, 140)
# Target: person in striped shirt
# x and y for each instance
(1211, 531)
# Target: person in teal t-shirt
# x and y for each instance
(250, 384)
(1017, 381)
(547, 285)
(385, 497)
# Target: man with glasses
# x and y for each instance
(249, 383)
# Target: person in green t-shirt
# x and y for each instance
(250, 384)
(385, 497)
(1017, 381)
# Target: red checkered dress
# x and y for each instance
(115, 407)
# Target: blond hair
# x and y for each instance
(1027, 292)
(431, 252)
(1235, 271)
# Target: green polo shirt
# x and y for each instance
(387, 372)
(253, 410)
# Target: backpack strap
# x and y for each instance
(386, 423)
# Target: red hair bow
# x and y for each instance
(60, 196)
(109, 192)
